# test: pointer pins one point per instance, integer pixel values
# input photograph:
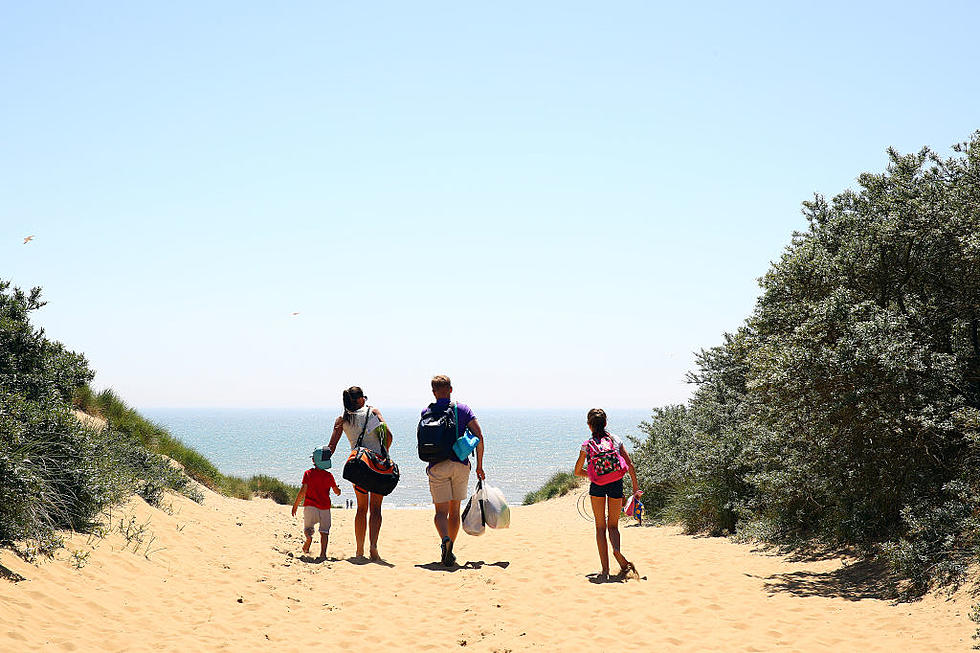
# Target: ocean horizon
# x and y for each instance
(524, 447)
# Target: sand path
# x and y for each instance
(225, 576)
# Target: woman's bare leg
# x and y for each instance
(360, 521)
(375, 525)
(599, 512)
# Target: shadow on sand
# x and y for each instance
(12, 576)
(471, 564)
(311, 559)
(854, 582)
(363, 560)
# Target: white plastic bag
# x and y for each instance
(474, 522)
(495, 509)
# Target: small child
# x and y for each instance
(315, 496)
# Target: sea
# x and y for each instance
(523, 447)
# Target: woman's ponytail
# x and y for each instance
(352, 395)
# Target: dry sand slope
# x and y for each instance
(226, 576)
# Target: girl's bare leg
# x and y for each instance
(599, 511)
(612, 526)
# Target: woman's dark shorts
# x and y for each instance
(612, 490)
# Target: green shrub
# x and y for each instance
(700, 507)
(847, 408)
(557, 486)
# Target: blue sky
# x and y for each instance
(556, 203)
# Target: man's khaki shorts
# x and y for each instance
(448, 480)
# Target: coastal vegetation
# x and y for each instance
(120, 417)
(845, 410)
(557, 486)
(58, 472)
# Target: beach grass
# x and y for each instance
(125, 419)
(557, 486)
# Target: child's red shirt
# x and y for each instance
(318, 483)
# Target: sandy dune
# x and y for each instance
(226, 576)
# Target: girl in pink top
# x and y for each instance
(604, 460)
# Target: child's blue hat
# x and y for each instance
(321, 457)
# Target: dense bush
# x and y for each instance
(847, 407)
(55, 472)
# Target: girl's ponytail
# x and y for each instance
(597, 422)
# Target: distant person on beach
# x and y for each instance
(449, 476)
(358, 419)
(603, 459)
(315, 497)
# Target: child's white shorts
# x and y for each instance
(313, 515)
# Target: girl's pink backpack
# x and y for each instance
(606, 464)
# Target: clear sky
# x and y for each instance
(556, 203)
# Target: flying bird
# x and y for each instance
(28, 239)
(296, 313)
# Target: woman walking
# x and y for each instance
(603, 459)
(357, 419)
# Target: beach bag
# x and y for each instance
(321, 458)
(629, 508)
(369, 470)
(437, 434)
(606, 464)
(474, 520)
(495, 509)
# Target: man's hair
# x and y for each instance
(441, 382)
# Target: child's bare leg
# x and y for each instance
(360, 521)
(599, 511)
(308, 533)
(324, 540)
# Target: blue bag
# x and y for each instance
(465, 445)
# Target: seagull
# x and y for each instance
(28, 239)
(296, 313)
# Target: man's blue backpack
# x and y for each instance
(437, 433)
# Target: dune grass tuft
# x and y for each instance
(155, 438)
(557, 486)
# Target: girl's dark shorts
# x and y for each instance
(612, 490)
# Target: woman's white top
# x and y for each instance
(353, 429)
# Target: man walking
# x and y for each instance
(448, 473)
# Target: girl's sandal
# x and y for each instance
(629, 571)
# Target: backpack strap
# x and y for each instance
(360, 438)
(381, 440)
(592, 445)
